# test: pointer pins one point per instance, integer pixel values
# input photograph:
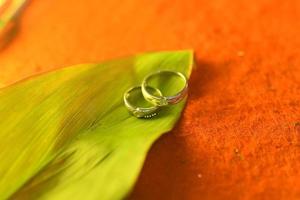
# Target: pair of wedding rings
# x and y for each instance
(154, 95)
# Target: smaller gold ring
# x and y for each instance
(140, 112)
(164, 100)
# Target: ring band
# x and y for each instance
(140, 112)
(164, 100)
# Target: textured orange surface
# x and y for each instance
(239, 136)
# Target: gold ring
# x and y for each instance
(161, 82)
(141, 111)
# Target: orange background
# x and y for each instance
(239, 136)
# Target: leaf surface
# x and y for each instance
(66, 134)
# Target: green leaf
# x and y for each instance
(66, 134)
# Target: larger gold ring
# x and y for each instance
(161, 100)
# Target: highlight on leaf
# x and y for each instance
(66, 134)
